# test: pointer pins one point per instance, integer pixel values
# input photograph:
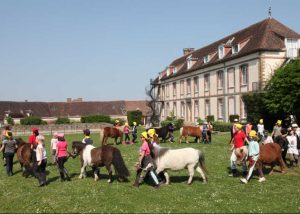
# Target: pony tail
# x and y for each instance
(181, 129)
(119, 164)
(202, 161)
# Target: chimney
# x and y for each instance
(187, 51)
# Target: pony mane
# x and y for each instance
(159, 152)
(78, 144)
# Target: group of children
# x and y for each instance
(245, 146)
(127, 131)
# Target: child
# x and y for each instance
(87, 139)
(292, 148)
(134, 132)
(145, 162)
(260, 129)
(8, 146)
(61, 156)
(41, 161)
(267, 138)
(253, 155)
(204, 132)
(171, 133)
(126, 132)
(53, 147)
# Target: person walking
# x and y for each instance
(126, 132)
(61, 157)
(253, 155)
(238, 147)
(292, 151)
(134, 132)
(277, 129)
(171, 133)
(53, 147)
(41, 160)
(145, 162)
(8, 146)
(260, 130)
(3, 137)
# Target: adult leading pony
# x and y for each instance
(193, 131)
(98, 157)
(113, 132)
(178, 159)
(24, 156)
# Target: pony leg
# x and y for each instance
(109, 173)
(96, 173)
(186, 139)
(191, 170)
(82, 172)
(198, 169)
(282, 165)
(167, 177)
(180, 139)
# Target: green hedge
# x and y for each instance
(134, 116)
(95, 119)
(32, 120)
(178, 123)
(210, 118)
(62, 120)
(10, 121)
(122, 121)
(222, 126)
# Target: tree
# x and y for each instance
(283, 90)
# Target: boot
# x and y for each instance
(233, 173)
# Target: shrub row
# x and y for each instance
(96, 119)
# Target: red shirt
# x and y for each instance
(32, 139)
(61, 149)
(239, 138)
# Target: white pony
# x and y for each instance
(178, 159)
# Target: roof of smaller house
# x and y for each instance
(266, 35)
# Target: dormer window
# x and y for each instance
(189, 61)
(292, 47)
(206, 59)
(221, 51)
(235, 48)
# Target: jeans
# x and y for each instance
(9, 157)
(62, 170)
(41, 172)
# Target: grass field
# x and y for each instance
(280, 193)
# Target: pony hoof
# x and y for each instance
(109, 181)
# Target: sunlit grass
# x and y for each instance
(221, 194)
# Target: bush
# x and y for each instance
(178, 123)
(95, 119)
(10, 121)
(222, 126)
(200, 121)
(122, 121)
(63, 120)
(32, 120)
(134, 116)
(210, 118)
(233, 116)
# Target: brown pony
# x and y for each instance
(192, 131)
(24, 156)
(98, 157)
(113, 132)
(270, 154)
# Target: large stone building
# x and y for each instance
(212, 79)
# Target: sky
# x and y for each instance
(103, 50)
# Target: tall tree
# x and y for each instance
(283, 90)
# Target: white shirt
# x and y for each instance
(260, 128)
(268, 140)
(292, 145)
(54, 142)
(38, 153)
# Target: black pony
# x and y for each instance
(283, 143)
(163, 132)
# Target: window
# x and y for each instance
(230, 73)
(221, 51)
(244, 74)
(174, 89)
(196, 109)
(163, 92)
(292, 47)
(235, 48)
(207, 107)
(167, 90)
(189, 62)
(175, 109)
(182, 109)
(231, 107)
(220, 108)
(167, 109)
(220, 79)
(188, 86)
(206, 82)
(243, 110)
(181, 87)
(163, 112)
(196, 84)
(206, 59)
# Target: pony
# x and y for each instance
(113, 132)
(193, 131)
(163, 132)
(283, 143)
(98, 157)
(178, 159)
(270, 154)
(24, 156)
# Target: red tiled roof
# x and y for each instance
(63, 109)
(268, 34)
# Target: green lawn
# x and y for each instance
(280, 193)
